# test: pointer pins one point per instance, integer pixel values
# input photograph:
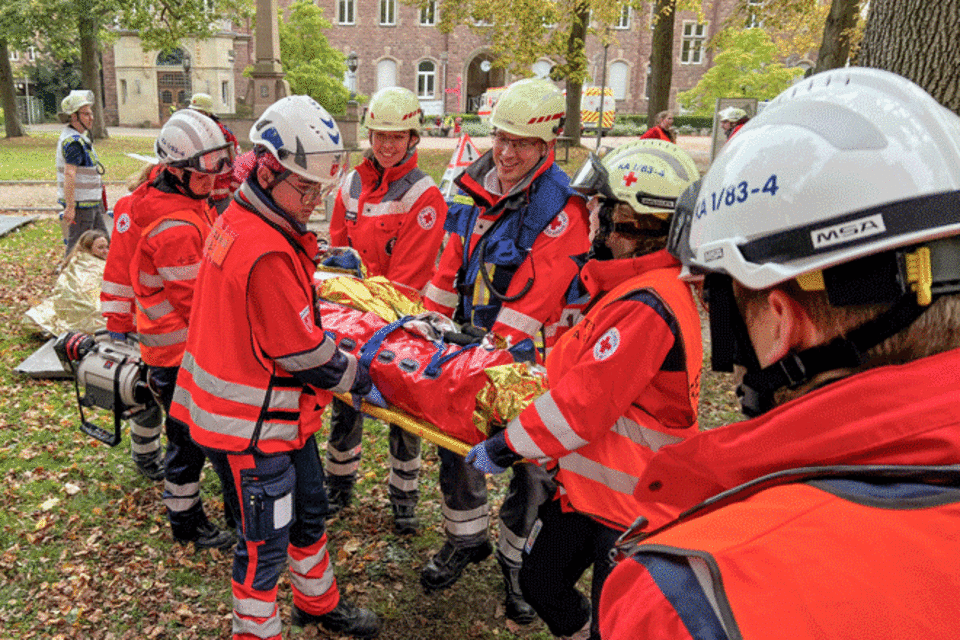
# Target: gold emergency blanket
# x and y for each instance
(500, 391)
(74, 304)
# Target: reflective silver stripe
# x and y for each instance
(439, 296)
(316, 357)
(403, 484)
(280, 399)
(510, 545)
(145, 432)
(150, 280)
(186, 272)
(157, 311)
(180, 498)
(313, 587)
(115, 306)
(254, 608)
(466, 523)
(709, 586)
(643, 436)
(235, 427)
(383, 208)
(349, 375)
(611, 478)
(164, 339)
(551, 416)
(419, 188)
(269, 628)
(149, 447)
(519, 321)
(405, 465)
(166, 224)
(522, 442)
(87, 185)
(341, 468)
(307, 564)
(334, 454)
(117, 289)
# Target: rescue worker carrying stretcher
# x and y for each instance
(506, 268)
(393, 214)
(624, 381)
(827, 235)
(257, 361)
(174, 218)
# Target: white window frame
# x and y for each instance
(428, 14)
(31, 53)
(619, 86)
(14, 55)
(388, 13)
(426, 80)
(693, 41)
(623, 22)
(752, 21)
(346, 11)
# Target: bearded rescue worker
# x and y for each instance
(174, 219)
(506, 268)
(254, 407)
(392, 213)
(596, 427)
(79, 183)
(833, 272)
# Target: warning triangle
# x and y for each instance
(463, 156)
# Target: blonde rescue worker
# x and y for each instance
(506, 267)
(254, 407)
(174, 219)
(827, 235)
(624, 381)
(79, 183)
(393, 214)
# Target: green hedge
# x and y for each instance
(638, 120)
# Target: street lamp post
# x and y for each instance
(352, 64)
(187, 64)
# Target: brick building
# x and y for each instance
(395, 44)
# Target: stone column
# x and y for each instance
(268, 83)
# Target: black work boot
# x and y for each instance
(339, 497)
(150, 465)
(517, 609)
(345, 619)
(443, 569)
(208, 536)
(405, 521)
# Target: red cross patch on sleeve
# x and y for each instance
(607, 345)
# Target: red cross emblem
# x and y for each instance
(629, 179)
(607, 345)
(557, 226)
(427, 217)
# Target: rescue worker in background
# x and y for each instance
(393, 214)
(255, 407)
(225, 184)
(624, 382)
(117, 307)
(731, 119)
(79, 185)
(174, 218)
(506, 268)
(840, 513)
(663, 130)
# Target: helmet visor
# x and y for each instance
(678, 237)
(213, 162)
(322, 166)
(592, 178)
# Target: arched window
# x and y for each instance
(541, 68)
(426, 79)
(386, 74)
(617, 75)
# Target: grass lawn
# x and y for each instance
(85, 548)
(32, 157)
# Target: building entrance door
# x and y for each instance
(171, 92)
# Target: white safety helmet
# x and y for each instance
(202, 102)
(845, 164)
(191, 140)
(532, 108)
(649, 175)
(394, 109)
(732, 114)
(75, 100)
(303, 137)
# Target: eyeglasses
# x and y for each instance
(213, 162)
(311, 193)
(519, 145)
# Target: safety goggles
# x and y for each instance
(592, 178)
(214, 162)
(678, 237)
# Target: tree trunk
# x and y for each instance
(90, 71)
(918, 40)
(576, 57)
(12, 124)
(835, 47)
(661, 60)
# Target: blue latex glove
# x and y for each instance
(373, 396)
(116, 335)
(477, 456)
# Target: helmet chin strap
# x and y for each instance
(756, 391)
